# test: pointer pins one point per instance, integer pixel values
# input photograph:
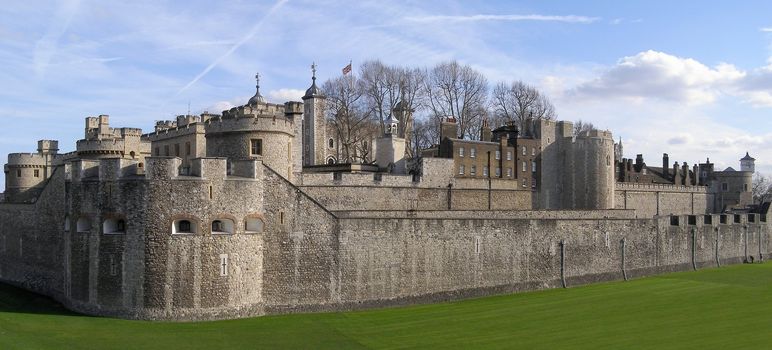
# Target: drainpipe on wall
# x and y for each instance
(624, 244)
(563, 263)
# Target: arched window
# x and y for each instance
(114, 226)
(183, 226)
(331, 143)
(331, 160)
(253, 225)
(222, 226)
(84, 224)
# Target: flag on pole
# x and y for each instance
(347, 69)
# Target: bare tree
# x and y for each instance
(457, 90)
(761, 188)
(425, 134)
(348, 115)
(387, 86)
(582, 126)
(518, 101)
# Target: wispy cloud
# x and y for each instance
(46, 47)
(766, 29)
(233, 48)
(508, 18)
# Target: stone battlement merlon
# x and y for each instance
(278, 123)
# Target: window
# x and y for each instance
(533, 166)
(724, 186)
(533, 151)
(114, 226)
(524, 150)
(183, 226)
(18, 172)
(331, 143)
(461, 151)
(745, 186)
(524, 166)
(473, 170)
(498, 172)
(473, 152)
(84, 224)
(485, 171)
(187, 148)
(253, 225)
(256, 147)
(608, 160)
(222, 226)
(216, 226)
(509, 155)
(509, 172)
(461, 169)
(223, 265)
(498, 155)
(177, 149)
(166, 150)
(37, 174)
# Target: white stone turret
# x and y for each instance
(314, 129)
(747, 163)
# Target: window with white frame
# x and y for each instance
(498, 154)
(509, 155)
(461, 151)
(525, 166)
(524, 150)
(253, 225)
(461, 169)
(473, 170)
(509, 172)
(485, 171)
(533, 166)
(533, 151)
(222, 226)
(498, 172)
(473, 152)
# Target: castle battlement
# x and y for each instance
(27, 159)
(250, 122)
(174, 131)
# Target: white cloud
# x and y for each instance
(284, 95)
(653, 74)
(478, 18)
(766, 29)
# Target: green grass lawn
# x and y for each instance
(726, 308)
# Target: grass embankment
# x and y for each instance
(726, 308)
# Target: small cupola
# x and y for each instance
(313, 91)
(257, 98)
(391, 128)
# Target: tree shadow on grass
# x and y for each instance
(17, 300)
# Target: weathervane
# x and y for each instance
(257, 78)
(313, 71)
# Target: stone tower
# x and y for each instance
(747, 163)
(390, 149)
(314, 128)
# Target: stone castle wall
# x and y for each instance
(308, 258)
(655, 199)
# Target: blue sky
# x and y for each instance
(689, 78)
